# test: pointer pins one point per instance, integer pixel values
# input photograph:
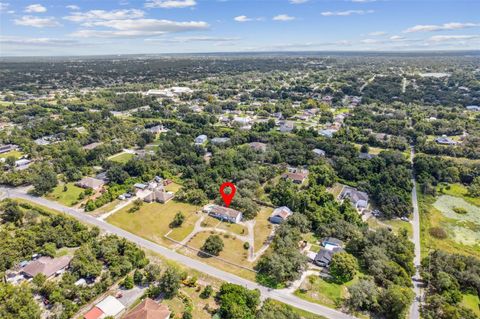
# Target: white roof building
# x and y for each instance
(110, 306)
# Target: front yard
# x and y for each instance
(68, 197)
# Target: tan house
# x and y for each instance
(47, 266)
(90, 182)
(149, 309)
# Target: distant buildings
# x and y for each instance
(8, 148)
(170, 92)
(318, 152)
(90, 182)
(22, 164)
(280, 214)
(286, 126)
(201, 139)
(259, 147)
(444, 140)
(296, 175)
(219, 140)
(223, 213)
(474, 108)
(92, 146)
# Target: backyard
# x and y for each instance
(121, 157)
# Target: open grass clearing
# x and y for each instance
(458, 190)
(121, 158)
(395, 224)
(322, 291)
(472, 302)
(233, 228)
(233, 252)
(70, 197)
(430, 217)
(152, 220)
(16, 154)
(263, 227)
(173, 187)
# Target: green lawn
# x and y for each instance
(327, 293)
(152, 220)
(234, 228)
(16, 154)
(263, 227)
(396, 225)
(122, 157)
(69, 197)
(173, 187)
(233, 252)
(458, 190)
(471, 302)
(431, 217)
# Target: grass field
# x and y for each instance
(121, 157)
(173, 187)
(152, 220)
(396, 225)
(68, 198)
(471, 302)
(234, 228)
(233, 252)
(458, 190)
(432, 217)
(263, 227)
(16, 154)
(319, 290)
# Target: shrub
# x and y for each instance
(438, 232)
(460, 210)
(246, 245)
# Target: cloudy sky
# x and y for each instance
(83, 27)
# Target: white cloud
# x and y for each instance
(242, 18)
(35, 8)
(37, 22)
(441, 27)
(283, 17)
(377, 33)
(370, 41)
(4, 6)
(13, 40)
(298, 1)
(73, 7)
(447, 38)
(345, 13)
(98, 15)
(140, 27)
(193, 39)
(397, 38)
(169, 4)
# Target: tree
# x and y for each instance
(170, 282)
(84, 263)
(237, 302)
(395, 301)
(178, 220)
(45, 180)
(343, 267)
(274, 310)
(207, 292)
(363, 296)
(213, 245)
(153, 273)
(128, 282)
(474, 188)
(12, 213)
(16, 302)
(137, 277)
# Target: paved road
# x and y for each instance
(187, 261)
(415, 308)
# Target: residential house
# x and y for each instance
(318, 152)
(331, 242)
(92, 146)
(280, 214)
(157, 129)
(444, 140)
(149, 309)
(223, 213)
(159, 195)
(201, 139)
(365, 156)
(90, 182)
(327, 133)
(220, 140)
(22, 164)
(108, 307)
(296, 175)
(357, 198)
(259, 147)
(286, 126)
(475, 108)
(8, 148)
(324, 256)
(47, 266)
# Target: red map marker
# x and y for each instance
(227, 198)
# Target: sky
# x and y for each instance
(97, 27)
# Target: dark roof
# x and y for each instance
(46, 265)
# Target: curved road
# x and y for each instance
(282, 296)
